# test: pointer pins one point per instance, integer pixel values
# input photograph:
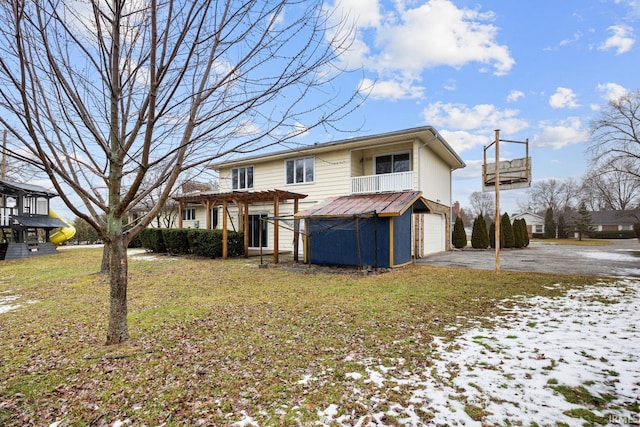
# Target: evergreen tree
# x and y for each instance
(459, 235)
(562, 228)
(506, 230)
(492, 236)
(526, 232)
(518, 237)
(583, 223)
(549, 225)
(479, 234)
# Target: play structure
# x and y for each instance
(28, 226)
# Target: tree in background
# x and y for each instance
(583, 221)
(85, 233)
(612, 184)
(551, 193)
(549, 225)
(563, 232)
(482, 203)
(459, 238)
(479, 235)
(118, 98)
(615, 139)
(506, 231)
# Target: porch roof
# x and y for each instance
(381, 204)
(238, 196)
(11, 188)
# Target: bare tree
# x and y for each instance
(557, 195)
(103, 92)
(615, 135)
(482, 203)
(611, 186)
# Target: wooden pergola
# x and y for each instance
(242, 199)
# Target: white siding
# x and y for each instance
(434, 177)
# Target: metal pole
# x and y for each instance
(3, 172)
(497, 220)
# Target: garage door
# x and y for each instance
(434, 230)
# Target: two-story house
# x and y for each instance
(265, 190)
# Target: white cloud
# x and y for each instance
(515, 95)
(482, 117)
(439, 33)
(622, 39)
(611, 91)
(561, 134)
(401, 43)
(391, 89)
(461, 140)
(563, 98)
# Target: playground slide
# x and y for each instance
(63, 233)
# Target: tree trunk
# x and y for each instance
(104, 267)
(118, 267)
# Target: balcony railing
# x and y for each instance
(5, 216)
(400, 181)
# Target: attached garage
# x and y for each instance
(434, 233)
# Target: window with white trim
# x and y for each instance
(242, 178)
(392, 163)
(299, 171)
(538, 228)
(189, 214)
(214, 217)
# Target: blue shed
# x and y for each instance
(358, 230)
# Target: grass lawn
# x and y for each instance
(218, 341)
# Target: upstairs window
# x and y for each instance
(242, 178)
(298, 171)
(393, 163)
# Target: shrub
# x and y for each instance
(492, 235)
(176, 241)
(562, 228)
(205, 243)
(459, 238)
(525, 231)
(479, 235)
(636, 229)
(620, 234)
(506, 230)
(152, 240)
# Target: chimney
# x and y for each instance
(456, 209)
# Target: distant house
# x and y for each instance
(535, 222)
(610, 220)
(259, 194)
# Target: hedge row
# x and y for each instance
(620, 234)
(191, 241)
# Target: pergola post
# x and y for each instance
(225, 233)
(245, 228)
(276, 237)
(296, 231)
(207, 209)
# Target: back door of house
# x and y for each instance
(255, 228)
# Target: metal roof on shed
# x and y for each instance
(382, 204)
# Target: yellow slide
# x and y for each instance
(63, 233)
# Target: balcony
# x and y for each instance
(388, 182)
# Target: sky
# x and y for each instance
(538, 70)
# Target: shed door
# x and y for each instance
(433, 233)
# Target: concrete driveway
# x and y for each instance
(620, 259)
